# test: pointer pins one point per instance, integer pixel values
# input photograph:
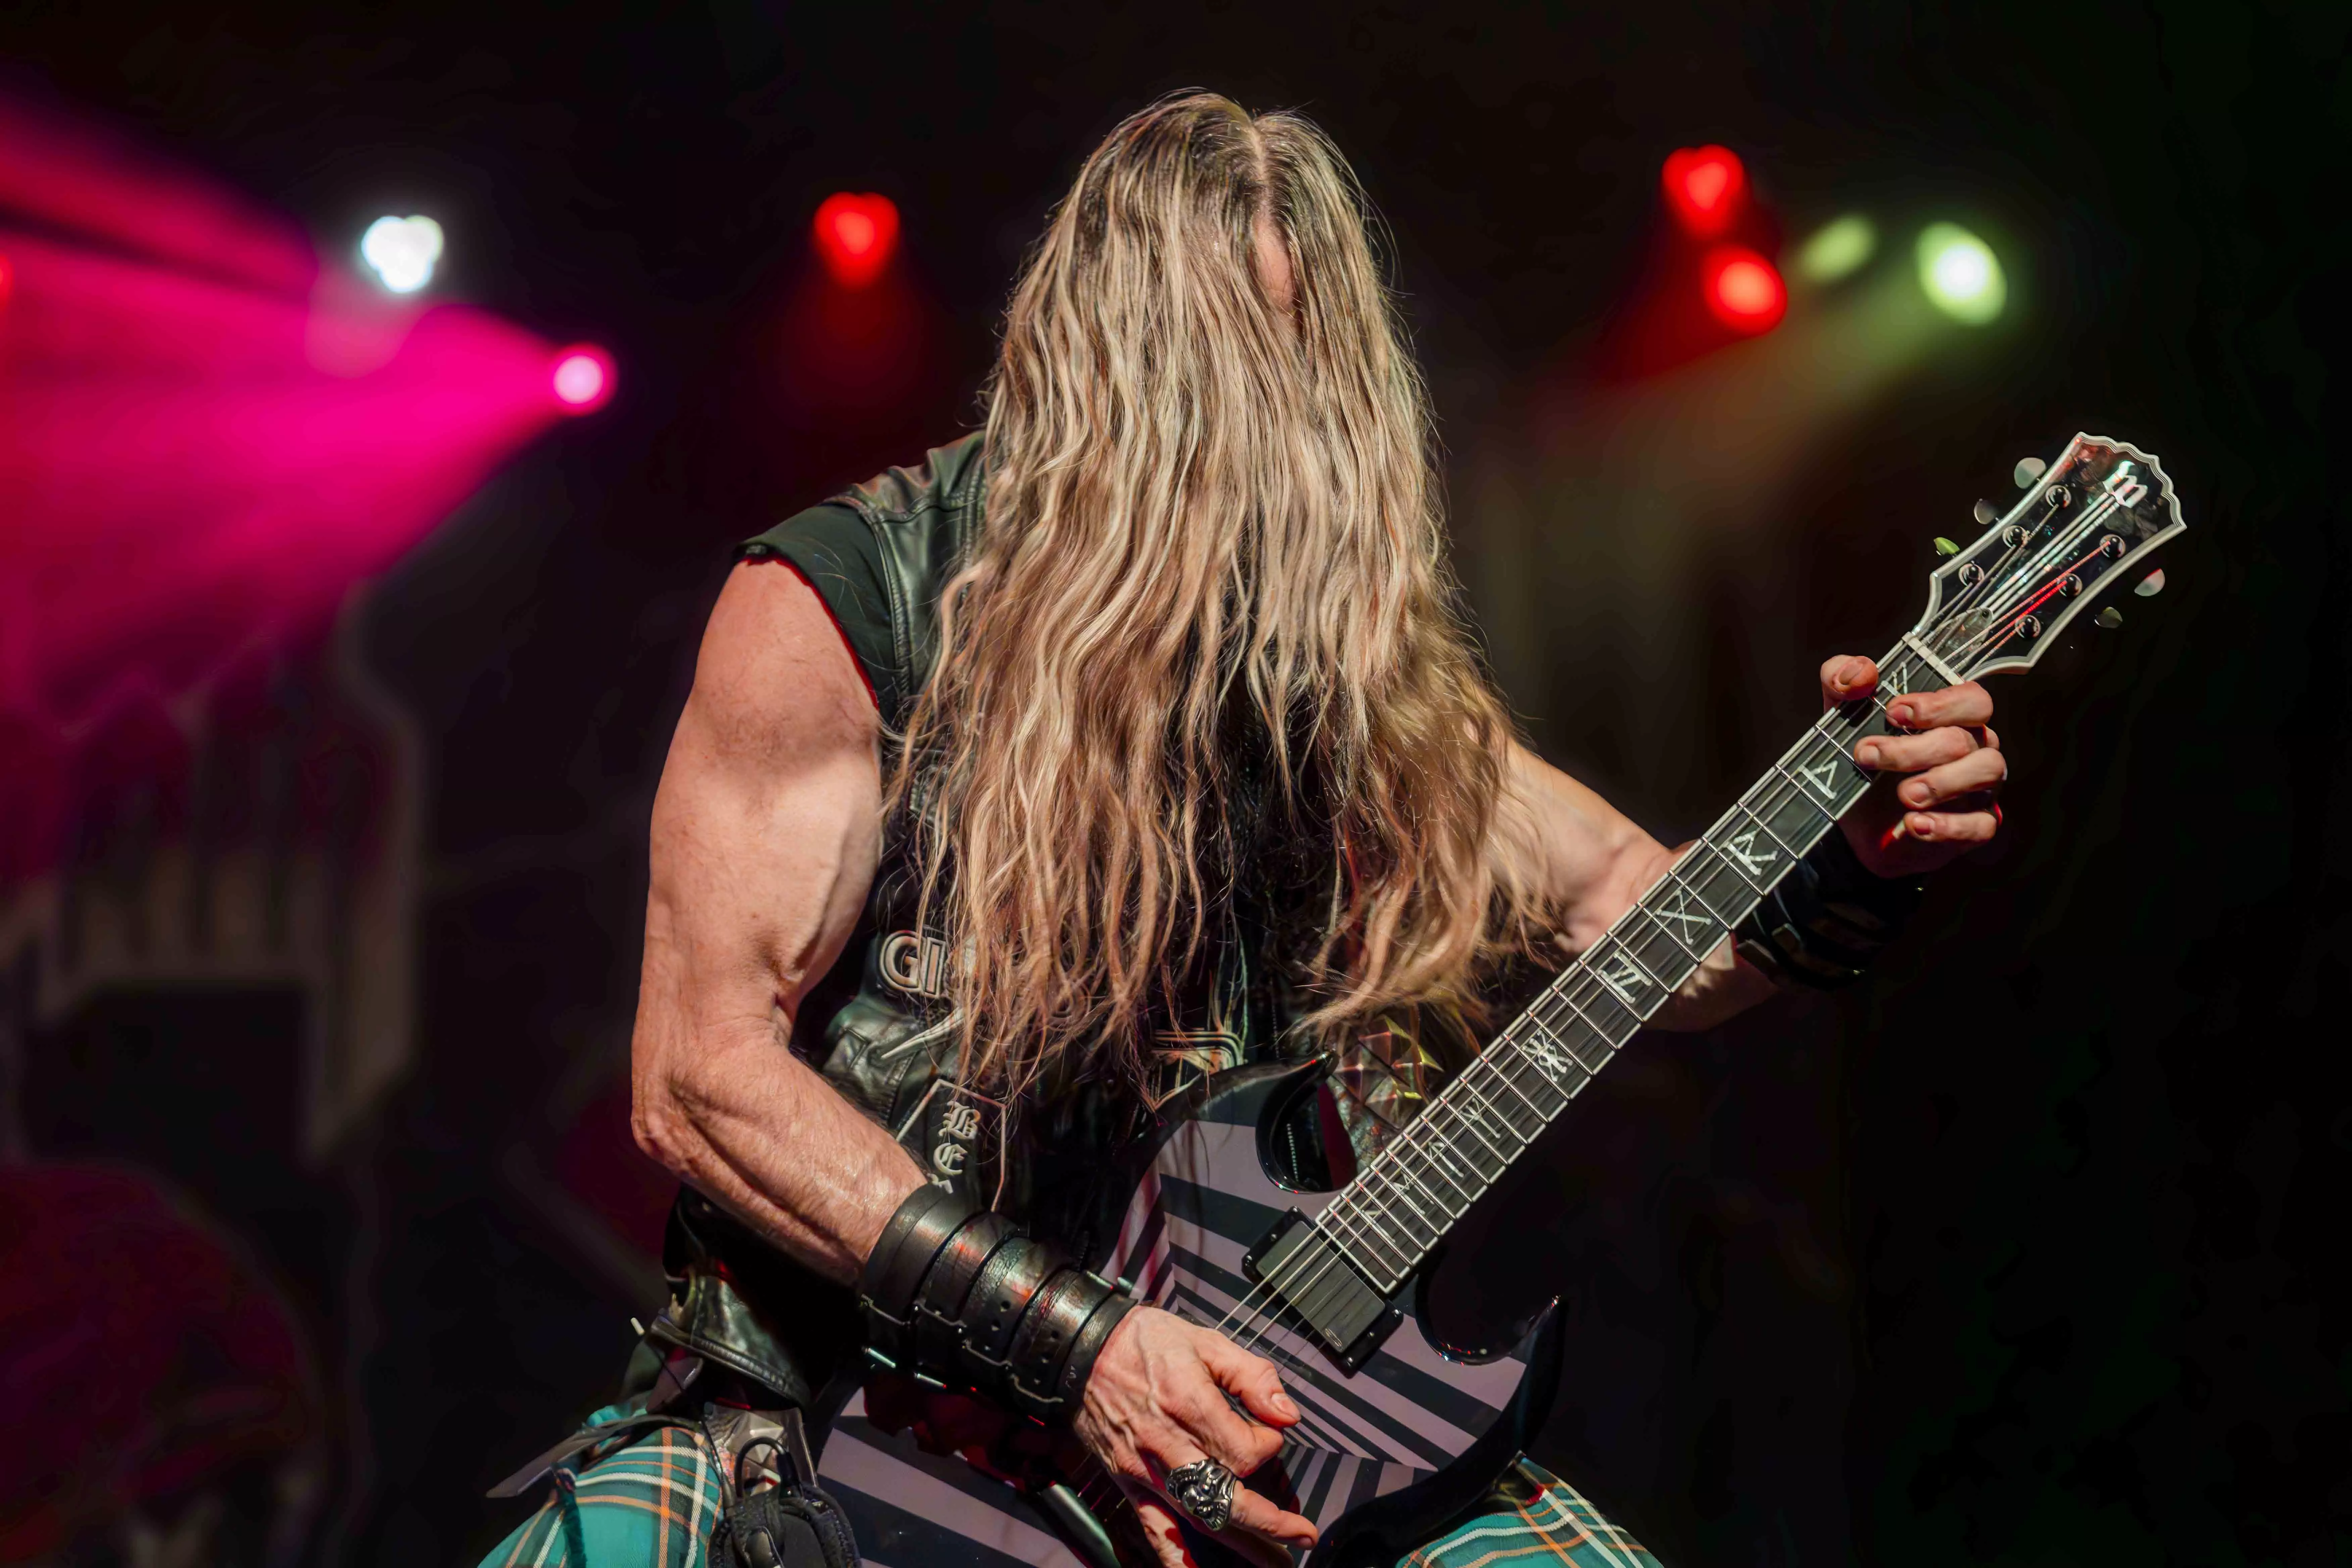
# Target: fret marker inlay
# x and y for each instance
(1624, 976)
(1743, 850)
(1676, 907)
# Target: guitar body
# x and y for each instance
(1382, 1456)
(1388, 1452)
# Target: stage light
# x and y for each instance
(1743, 289)
(583, 379)
(1838, 249)
(7, 279)
(856, 236)
(1705, 186)
(403, 250)
(1961, 274)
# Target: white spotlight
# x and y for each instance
(403, 251)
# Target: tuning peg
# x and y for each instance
(2151, 586)
(2027, 469)
(2110, 618)
(1987, 514)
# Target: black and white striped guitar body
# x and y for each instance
(1382, 1453)
(1399, 1431)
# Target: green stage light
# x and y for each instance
(1838, 249)
(1961, 274)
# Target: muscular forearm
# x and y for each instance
(1589, 863)
(757, 1129)
(1724, 985)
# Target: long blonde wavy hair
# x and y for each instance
(1194, 504)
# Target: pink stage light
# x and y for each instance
(584, 378)
(209, 437)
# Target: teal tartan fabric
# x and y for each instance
(650, 1502)
(1532, 1516)
(653, 1502)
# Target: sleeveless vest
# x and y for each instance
(877, 1024)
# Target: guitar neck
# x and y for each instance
(1389, 1220)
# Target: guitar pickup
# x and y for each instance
(1299, 1265)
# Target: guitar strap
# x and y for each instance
(775, 1515)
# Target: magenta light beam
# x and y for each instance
(203, 430)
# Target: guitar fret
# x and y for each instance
(1555, 1048)
(1798, 784)
(1433, 1155)
(1674, 875)
(1405, 1169)
(1396, 1194)
(1471, 1090)
(1470, 1133)
(1408, 1167)
(1505, 1079)
(1676, 937)
(1477, 1130)
(1598, 1032)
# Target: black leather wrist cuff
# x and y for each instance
(1070, 1383)
(902, 1256)
(953, 1296)
(1829, 918)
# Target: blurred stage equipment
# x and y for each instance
(1838, 249)
(210, 851)
(1743, 289)
(1960, 274)
(584, 378)
(1705, 188)
(856, 236)
(403, 251)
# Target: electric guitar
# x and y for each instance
(1400, 1430)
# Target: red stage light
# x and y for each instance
(8, 281)
(582, 380)
(1705, 185)
(856, 236)
(1743, 289)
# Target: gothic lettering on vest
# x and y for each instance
(950, 1132)
(915, 962)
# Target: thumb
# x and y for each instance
(1248, 1378)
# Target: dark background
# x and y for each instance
(2024, 1252)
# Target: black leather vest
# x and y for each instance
(876, 1025)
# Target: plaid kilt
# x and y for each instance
(653, 1501)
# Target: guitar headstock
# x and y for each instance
(2085, 524)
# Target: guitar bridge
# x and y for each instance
(1299, 1266)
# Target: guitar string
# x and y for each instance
(2004, 624)
(1358, 1229)
(1267, 1320)
(2001, 586)
(1266, 1317)
(1582, 971)
(1560, 990)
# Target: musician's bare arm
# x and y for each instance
(765, 834)
(1591, 862)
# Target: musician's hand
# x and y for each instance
(1156, 1401)
(1934, 799)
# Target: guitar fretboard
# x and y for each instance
(1390, 1218)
